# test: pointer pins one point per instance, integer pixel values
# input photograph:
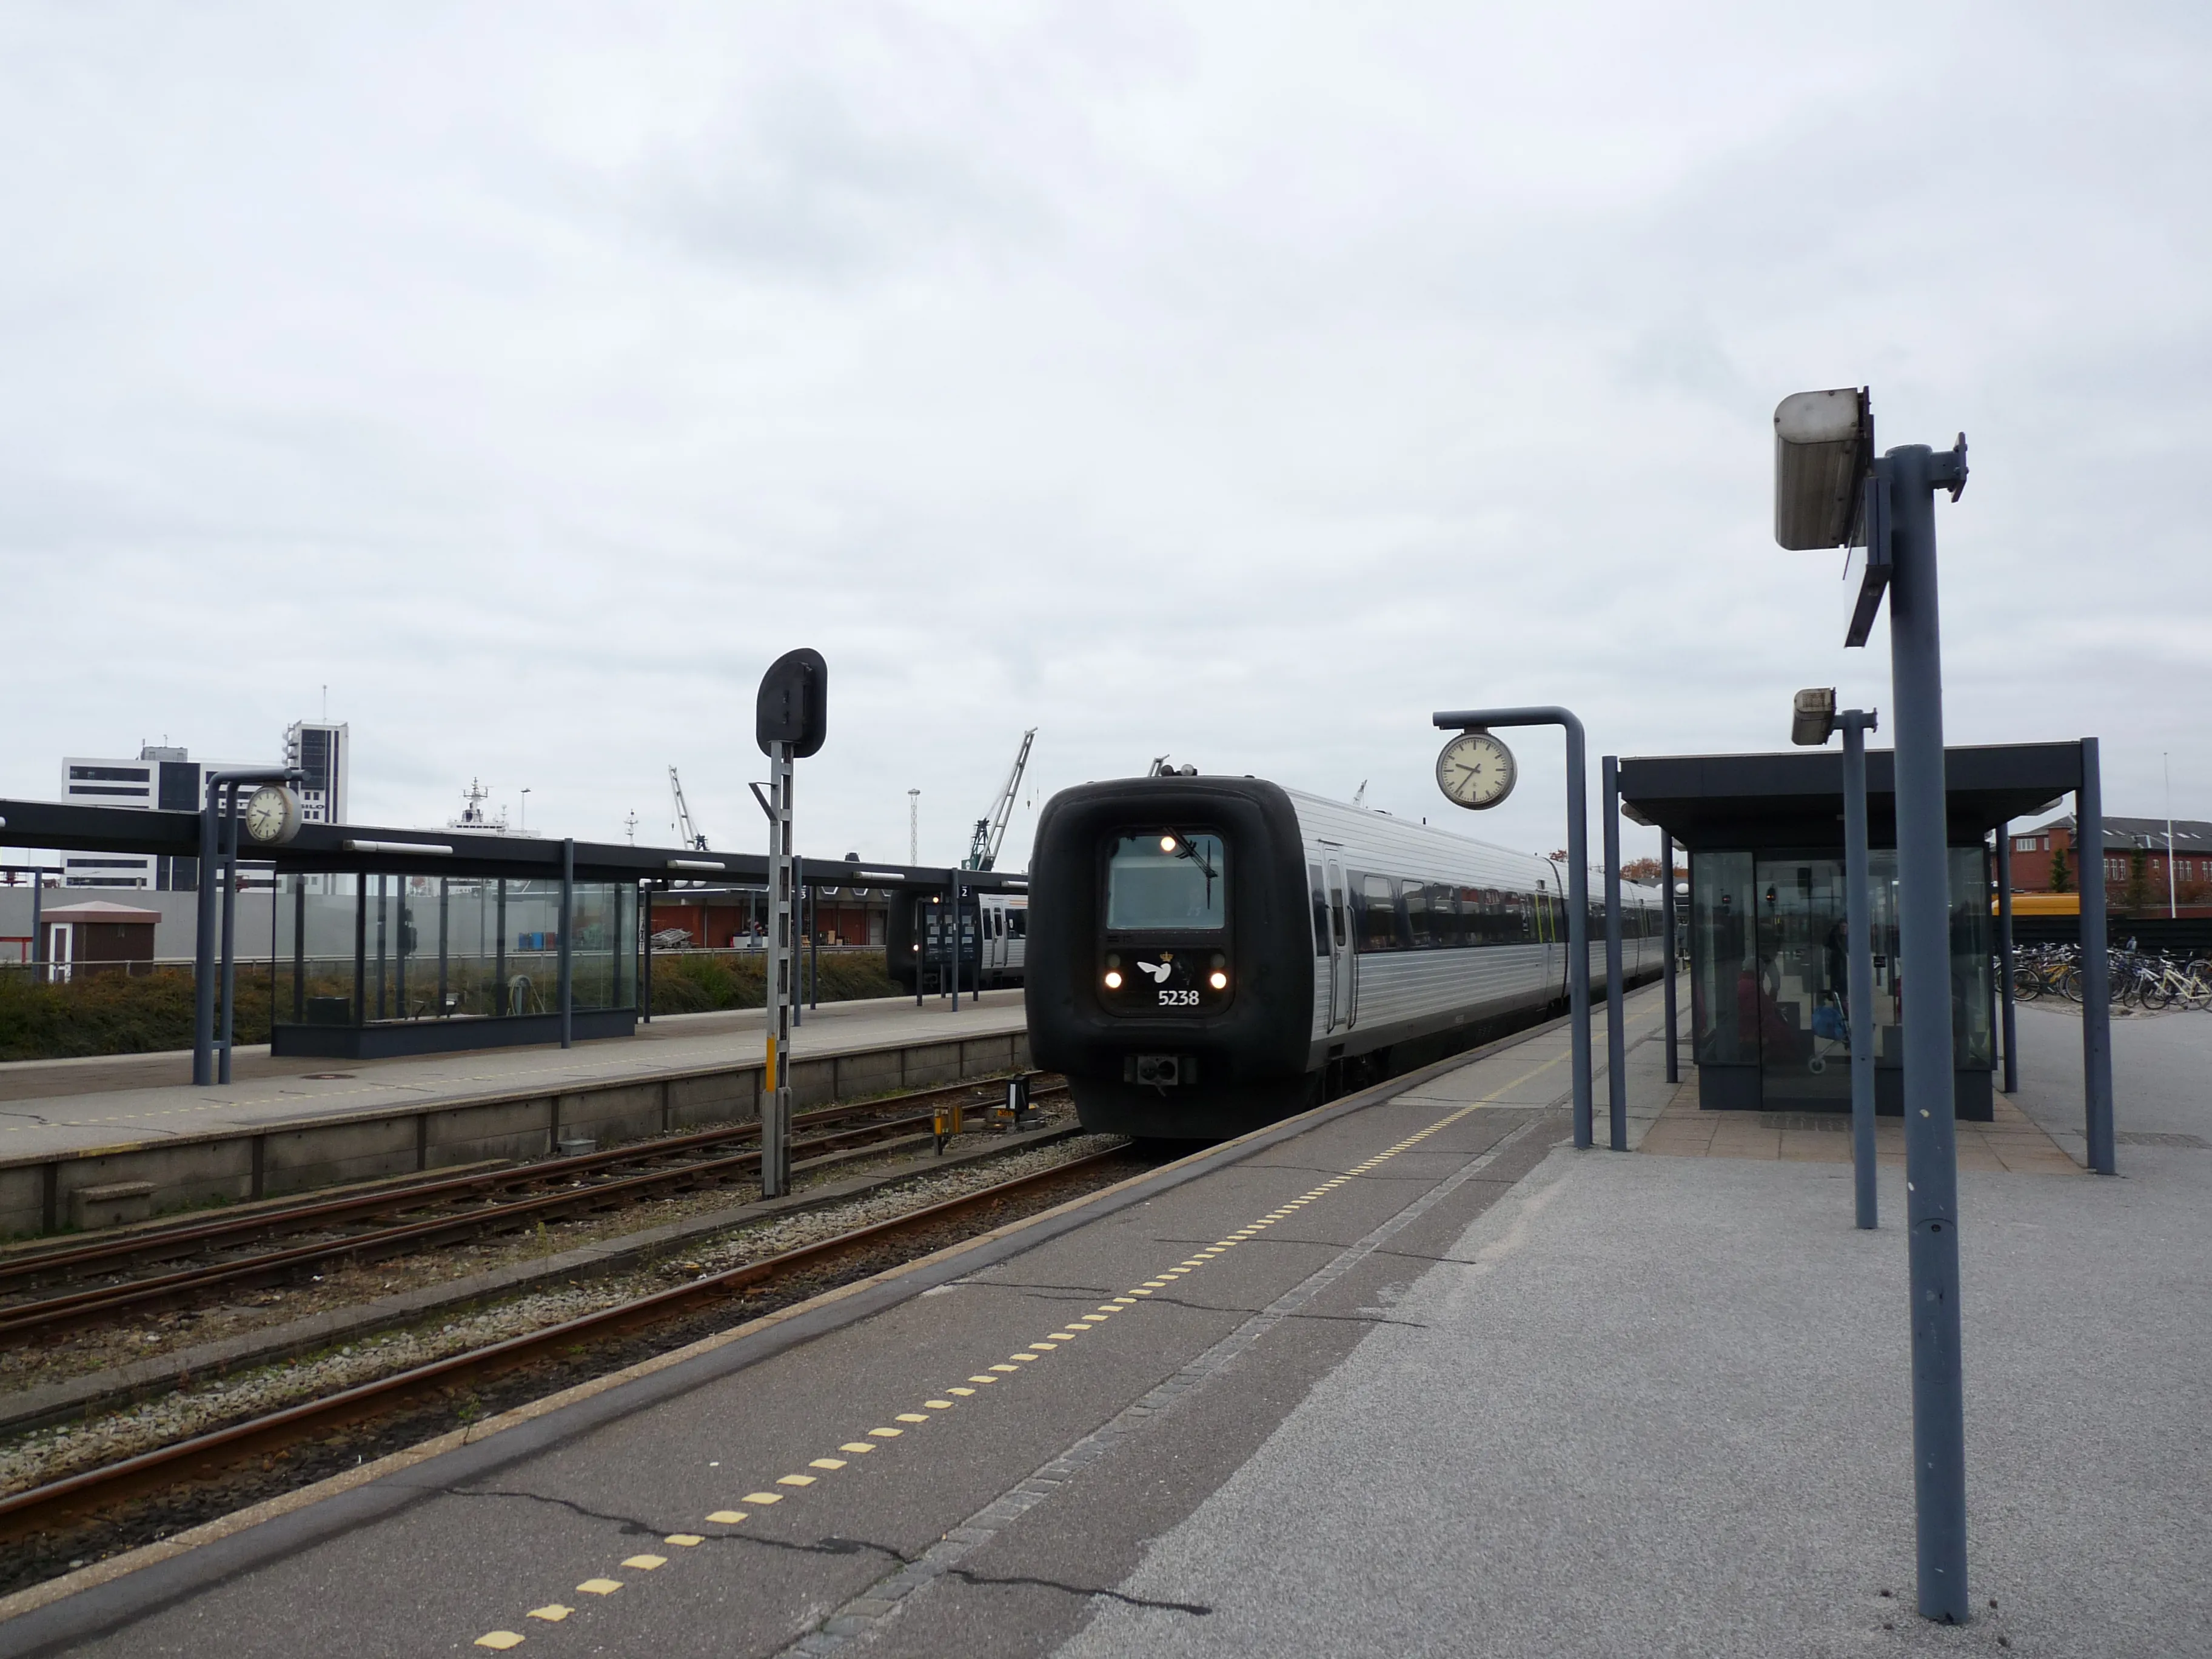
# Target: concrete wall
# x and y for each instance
(173, 934)
(333, 1151)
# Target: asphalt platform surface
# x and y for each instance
(1406, 1377)
(67, 1105)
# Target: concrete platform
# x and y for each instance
(292, 1126)
(1406, 1376)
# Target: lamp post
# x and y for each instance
(1466, 720)
(1830, 491)
(1814, 717)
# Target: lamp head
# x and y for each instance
(1823, 448)
(1813, 716)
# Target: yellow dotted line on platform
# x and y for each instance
(790, 1486)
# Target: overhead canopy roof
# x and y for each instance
(1795, 799)
(359, 849)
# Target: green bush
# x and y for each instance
(701, 981)
(114, 1014)
(144, 1013)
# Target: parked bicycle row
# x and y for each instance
(2136, 979)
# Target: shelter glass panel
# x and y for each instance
(1722, 918)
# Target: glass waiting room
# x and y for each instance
(386, 963)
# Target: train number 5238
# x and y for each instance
(1178, 998)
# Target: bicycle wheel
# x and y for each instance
(2070, 983)
(2026, 985)
(2152, 993)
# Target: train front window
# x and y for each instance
(1166, 880)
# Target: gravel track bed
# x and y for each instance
(341, 1283)
(49, 1454)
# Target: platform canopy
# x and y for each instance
(366, 849)
(1795, 797)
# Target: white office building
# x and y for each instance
(168, 778)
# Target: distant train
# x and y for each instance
(1208, 954)
(993, 939)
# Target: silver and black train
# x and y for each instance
(1208, 954)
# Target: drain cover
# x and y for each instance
(2145, 1138)
(325, 1076)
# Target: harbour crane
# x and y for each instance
(991, 830)
(686, 833)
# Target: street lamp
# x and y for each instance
(1813, 718)
(1830, 490)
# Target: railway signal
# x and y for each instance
(791, 719)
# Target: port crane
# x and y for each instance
(991, 830)
(686, 833)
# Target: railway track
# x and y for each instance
(117, 1506)
(465, 1208)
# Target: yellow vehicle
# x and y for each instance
(2043, 904)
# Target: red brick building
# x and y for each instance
(2042, 861)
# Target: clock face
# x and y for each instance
(1475, 771)
(272, 814)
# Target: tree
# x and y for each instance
(2062, 878)
(1651, 870)
(2136, 896)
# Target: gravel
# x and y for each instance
(45, 1454)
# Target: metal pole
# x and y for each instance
(38, 927)
(1939, 1447)
(1666, 864)
(229, 927)
(813, 948)
(954, 948)
(383, 896)
(1858, 974)
(775, 1086)
(1470, 720)
(502, 1002)
(920, 943)
(2005, 956)
(398, 947)
(566, 976)
(445, 910)
(2096, 966)
(299, 951)
(1578, 928)
(360, 948)
(645, 978)
(204, 947)
(2172, 903)
(1616, 1079)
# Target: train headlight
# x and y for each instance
(1113, 979)
(1217, 980)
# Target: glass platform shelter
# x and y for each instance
(1769, 1015)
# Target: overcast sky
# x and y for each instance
(1236, 382)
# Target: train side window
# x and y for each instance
(1336, 914)
(1378, 913)
(1018, 923)
(1444, 918)
(1418, 934)
(1320, 909)
(1477, 920)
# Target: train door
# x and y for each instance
(1551, 933)
(1343, 981)
(992, 944)
(1017, 927)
